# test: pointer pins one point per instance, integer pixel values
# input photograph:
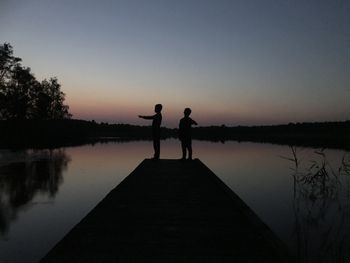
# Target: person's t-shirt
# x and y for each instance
(185, 128)
(157, 120)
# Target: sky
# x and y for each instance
(233, 62)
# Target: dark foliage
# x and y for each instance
(22, 96)
(317, 134)
(53, 133)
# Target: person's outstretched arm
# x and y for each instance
(194, 122)
(147, 117)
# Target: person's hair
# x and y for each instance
(187, 111)
(158, 107)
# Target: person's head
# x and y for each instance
(158, 108)
(187, 112)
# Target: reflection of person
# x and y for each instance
(185, 134)
(157, 120)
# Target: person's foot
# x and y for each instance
(189, 158)
(183, 159)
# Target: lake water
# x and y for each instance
(305, 200)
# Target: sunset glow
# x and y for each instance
(232, 62)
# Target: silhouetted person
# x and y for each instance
(157, 120)
(185, 135)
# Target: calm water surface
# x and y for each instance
(303, 197)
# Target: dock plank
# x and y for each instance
(170, 211)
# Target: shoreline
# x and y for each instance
(16, 134)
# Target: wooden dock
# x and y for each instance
(170, 211)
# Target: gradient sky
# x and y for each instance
(233, 62)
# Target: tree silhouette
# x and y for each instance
(22, 96)
(7, 61)
(49, 104)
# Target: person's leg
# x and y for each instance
(189, 147)
(156, 146)
(183, 147)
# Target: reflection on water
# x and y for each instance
(30, 173)
(44, 193)
(321, 208)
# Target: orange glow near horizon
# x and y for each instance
(121, 112)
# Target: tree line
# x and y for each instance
(22, 96)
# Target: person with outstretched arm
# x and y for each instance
(156, 121)
(185, 135)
